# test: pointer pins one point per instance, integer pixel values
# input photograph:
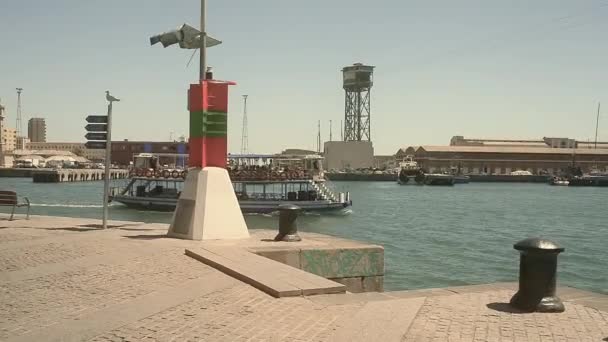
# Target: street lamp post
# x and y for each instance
(106, 175)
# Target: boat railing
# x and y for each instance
(259, 196)
(160, 173)
(269, 175)
(116, 190)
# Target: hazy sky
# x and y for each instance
(508, 69)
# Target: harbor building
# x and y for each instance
(344, 155)
(124, 151)
(36, 130)
(78, 149)
(21, 142)
(459, 140)
(502, 160)
(9, 139)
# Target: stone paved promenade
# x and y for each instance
(64, 279)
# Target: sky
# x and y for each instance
(478, 68)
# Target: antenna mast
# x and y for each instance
(18, 123)
(319, 137)
(597, 121)
(330, 133)
(244, 133)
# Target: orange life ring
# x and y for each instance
(183, 174)
(157, 174)
(175, 174)
(149, 173)
(293, 175)
(166, 174)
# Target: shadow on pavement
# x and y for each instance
(100, 226)
(147, 237)
(504, 307)
(72, 229)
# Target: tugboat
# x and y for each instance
(261, 183)
(409, 170)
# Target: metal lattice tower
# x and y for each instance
(18, 123)
(357, 84)
(244, 133)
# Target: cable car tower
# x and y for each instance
(357, 84)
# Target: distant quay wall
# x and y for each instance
(370, 177)
(76, 175)
(510, 179)
(12, 172)
(62, 175)
(361, 177)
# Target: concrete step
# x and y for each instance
(274, 278)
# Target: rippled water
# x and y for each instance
(433, 236)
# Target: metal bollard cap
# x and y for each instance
(288, 207)
(538, 245)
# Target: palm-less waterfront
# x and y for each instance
(433, 236)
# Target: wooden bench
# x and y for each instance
(9, 199)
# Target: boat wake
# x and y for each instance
(263, 215)
(63, 205)
(343, 212)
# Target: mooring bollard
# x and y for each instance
(288, 228)
(537, 276)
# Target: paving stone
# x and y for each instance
(135, 285)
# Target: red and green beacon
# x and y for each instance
(208, 106)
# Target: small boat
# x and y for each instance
(259, 189)
(461, 179)
(559, 181)
(409, 170)
(439, 179)
(588, 180)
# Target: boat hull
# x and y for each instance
(260, 207)
(462, 179)
(589, 181)
(438, 179)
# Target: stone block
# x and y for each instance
(373, 284)
(288, 257)
(343, 262)
(353, 284)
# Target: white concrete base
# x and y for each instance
(207, 208)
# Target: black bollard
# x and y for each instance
(288, 228)
(537, 276)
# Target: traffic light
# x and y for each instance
(187, 36)
(97, 129)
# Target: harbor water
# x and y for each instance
(433, 236)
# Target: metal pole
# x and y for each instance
(244, 132)
(597, 121)
(330, 127)
(203, 52)
(106, 176)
